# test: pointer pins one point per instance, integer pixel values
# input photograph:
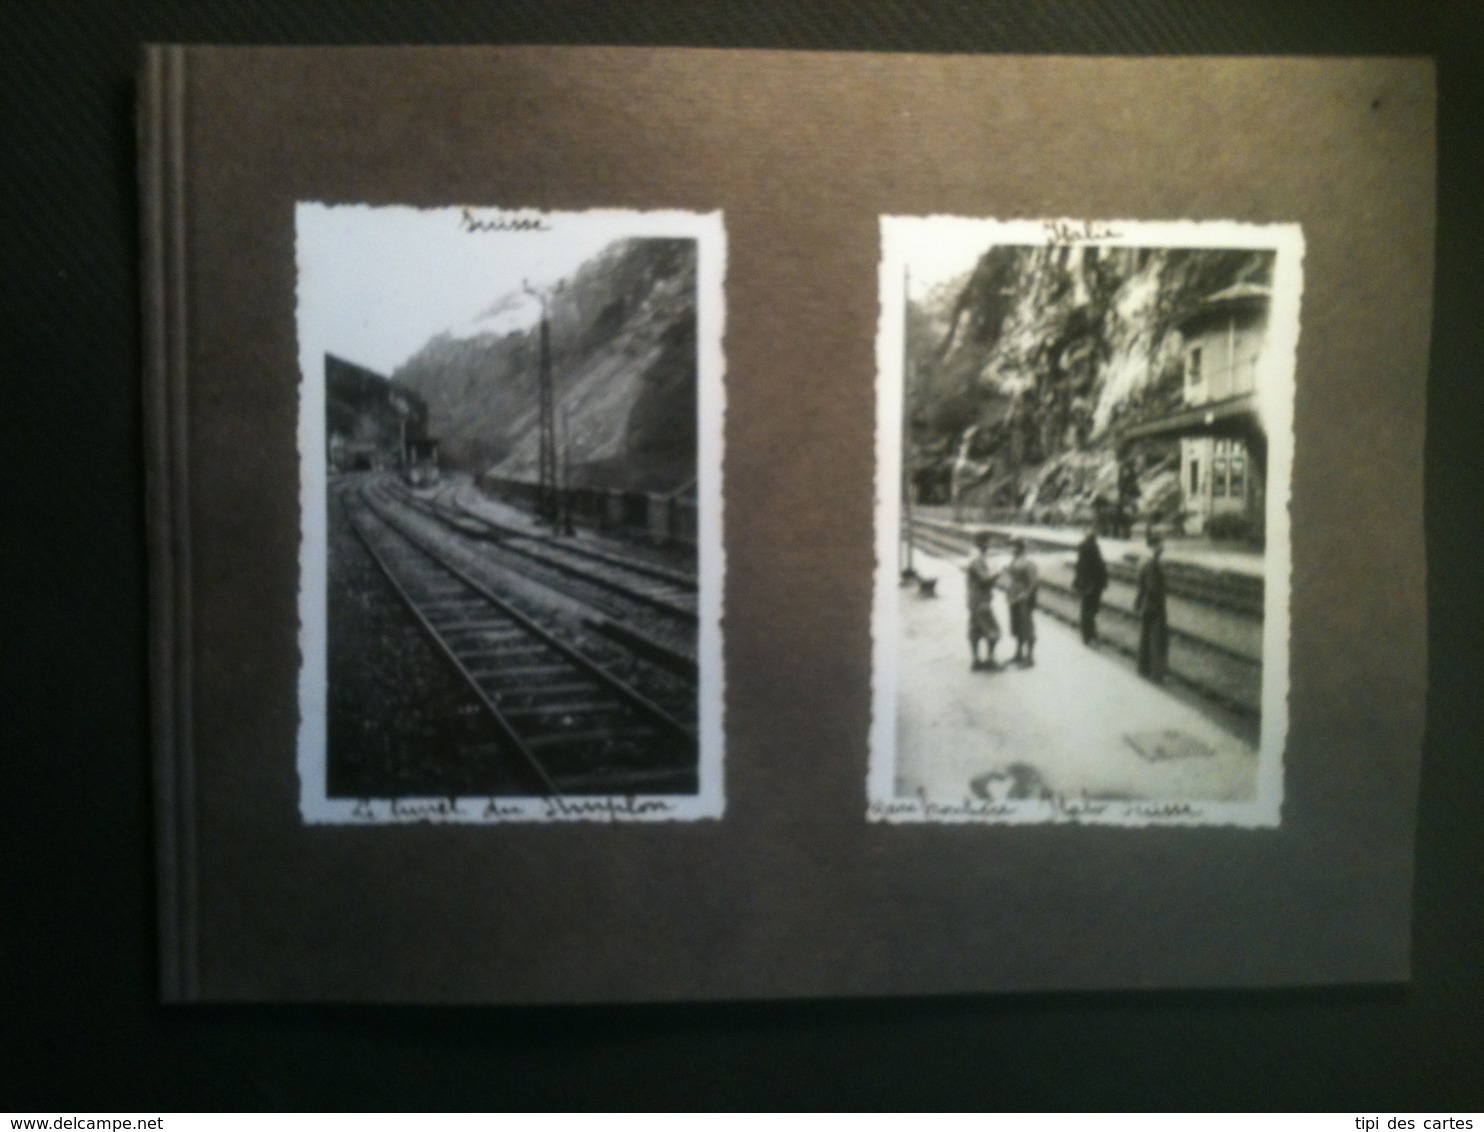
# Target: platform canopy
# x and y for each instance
(1234, 417)
(1236, 298)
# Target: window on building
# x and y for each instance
(1195, 476)
(1193, 367)
(1218, 470)
(1238, 472)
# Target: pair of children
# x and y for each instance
(1020, 580)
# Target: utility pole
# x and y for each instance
(546, 490)
(909, 571)
(566, 487)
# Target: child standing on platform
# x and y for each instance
(980, 581)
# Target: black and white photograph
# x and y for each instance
(1084, 448)
(510, 444)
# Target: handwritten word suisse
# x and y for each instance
(471, 223)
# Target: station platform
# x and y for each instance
(1081, 718)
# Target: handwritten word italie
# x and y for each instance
(497, 809)
(503, 223)
(1077, 231)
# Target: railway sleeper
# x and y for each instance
(503, 644)
(606, 737)
(502, 653)
(567, 707)
(527, 695)
(492, 633)
(526, 669)
(451, 602)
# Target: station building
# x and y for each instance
(370, 421)
(1223, 446)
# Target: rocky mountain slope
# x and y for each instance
(1019, 372)
(623, 343)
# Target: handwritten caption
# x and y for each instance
(382, 810)
(1055, 807)
(502, 222)
(1077, 232)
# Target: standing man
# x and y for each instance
(979, 579)
(1022, 579)
(1154, 627)
(1089, 582)
(1128, 493)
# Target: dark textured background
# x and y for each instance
(77, 988)
(793, 894)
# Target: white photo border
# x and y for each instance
(313, 301)
(1277, 384)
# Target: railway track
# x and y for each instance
(665, 636)
(666, 591)
(575, 723)
(1217, 654)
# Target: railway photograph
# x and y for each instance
(1084, 444)
(510, 430)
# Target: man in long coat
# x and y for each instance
(1088, 582)
(1154, 626)
(979, 584)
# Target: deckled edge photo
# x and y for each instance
(1015, 785)
(321, 307)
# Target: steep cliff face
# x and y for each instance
(623, 346)
(1018, 371)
